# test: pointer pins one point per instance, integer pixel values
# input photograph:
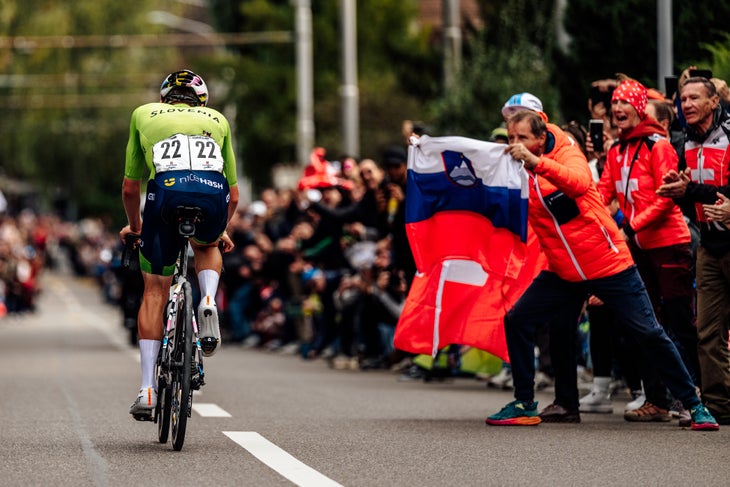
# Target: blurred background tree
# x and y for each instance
(391, 88)
(510, 55)
(621, 36)
(67, 110)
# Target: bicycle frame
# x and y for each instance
(176, 291)
(180, 370)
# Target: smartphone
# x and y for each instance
(704, 73)
(598, 96)
(595, 129)
(670, 86)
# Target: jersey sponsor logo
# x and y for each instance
(194, 178)
(169, 181)
(151, 197)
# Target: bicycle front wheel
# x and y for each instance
(182, 394)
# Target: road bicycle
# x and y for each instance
(180, 362)
(179, 367)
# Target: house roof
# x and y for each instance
(431, 13)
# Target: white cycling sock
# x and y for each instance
(208, 281)
(148, 350)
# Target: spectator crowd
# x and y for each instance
(323, 270)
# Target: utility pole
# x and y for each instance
(452, 43)
(305, 86)
(665, 47)
(349, 90)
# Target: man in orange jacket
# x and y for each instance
(586, 255)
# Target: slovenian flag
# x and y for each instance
(466, 220)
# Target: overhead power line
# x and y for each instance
(73, 100)
(144, 40)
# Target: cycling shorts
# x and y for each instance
(161, 240)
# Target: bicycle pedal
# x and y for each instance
(143, 417)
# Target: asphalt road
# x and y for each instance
(68, 378)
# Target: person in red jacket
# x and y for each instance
(586, 255)
(656, 232)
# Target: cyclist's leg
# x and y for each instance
(207, 258)
(205, 242)
(157, 258)
(208, 264)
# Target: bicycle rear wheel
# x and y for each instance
(182, 394)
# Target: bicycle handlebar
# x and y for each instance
(130, 243)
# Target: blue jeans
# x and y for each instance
(387, 332)
(238, 302)
(557, 303)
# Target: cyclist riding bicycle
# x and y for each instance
(187, 149)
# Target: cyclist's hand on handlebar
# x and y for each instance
(227, 243)
(124, 232)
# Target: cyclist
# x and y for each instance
(187, 149)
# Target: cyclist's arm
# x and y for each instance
(233, 202)
(131, 200)
(232, 205)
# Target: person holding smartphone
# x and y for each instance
(656, 233)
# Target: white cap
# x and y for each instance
(257, 208)
(521, 101)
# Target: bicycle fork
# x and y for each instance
(198, 378)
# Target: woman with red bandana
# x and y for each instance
(656, 232)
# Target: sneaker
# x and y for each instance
(555, 413)
(210, 333)
(648, 413)
(516, 413)
(542, 381)
(340, 362)
(639, 400)
(599, 399)
(702, 420)
(145, 403)
(676, 408)
(414, 372)
(685, 418)
(503, 380)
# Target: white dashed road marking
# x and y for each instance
(280, 461)
(210, 410)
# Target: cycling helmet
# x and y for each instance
(196, 91)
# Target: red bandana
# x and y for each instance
(633, 93)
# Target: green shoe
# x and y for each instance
(702, 420)
(516, 413)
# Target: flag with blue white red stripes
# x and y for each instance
(466, 220)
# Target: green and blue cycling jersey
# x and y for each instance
(188, 154)
(164, 137)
